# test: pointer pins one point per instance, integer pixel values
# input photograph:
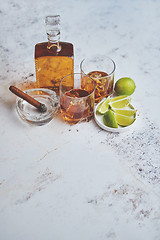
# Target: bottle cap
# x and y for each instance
(53, 28)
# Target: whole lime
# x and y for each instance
(125, 86)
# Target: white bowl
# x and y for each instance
(99, 120)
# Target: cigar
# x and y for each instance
(40, 106)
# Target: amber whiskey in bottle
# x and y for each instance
(53, 59)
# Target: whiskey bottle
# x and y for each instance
(53, 59)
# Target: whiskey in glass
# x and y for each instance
(77, 102)
(101, 69)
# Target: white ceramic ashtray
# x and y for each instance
(32, 115)
(99, 120)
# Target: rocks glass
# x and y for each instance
(77, 99)
(101, 69)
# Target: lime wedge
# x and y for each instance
(104, 106)
(118, 98)
(124, 120)
(125, 112)
(120, 103)
(109, 119)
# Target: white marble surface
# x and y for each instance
(61, 182)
